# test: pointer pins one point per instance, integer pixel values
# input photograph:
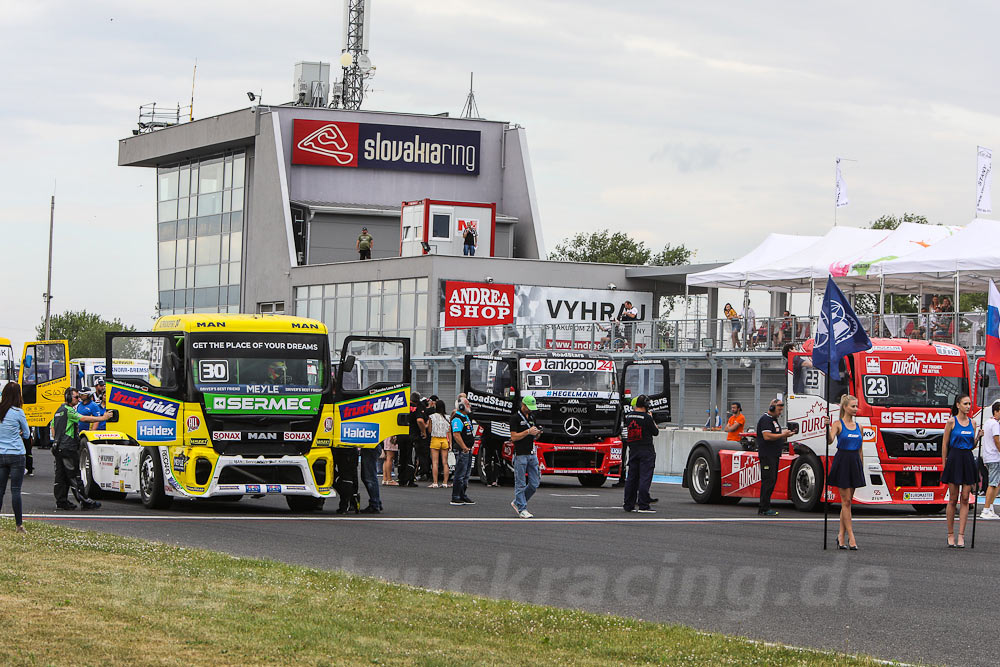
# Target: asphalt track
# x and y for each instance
(902, 596)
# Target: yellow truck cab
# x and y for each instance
(7, 373)
(44, 379)
(236, 405)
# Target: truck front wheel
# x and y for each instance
(151, 481)
(704, 482)
(90, 487)
(593, 480)
(805, 484)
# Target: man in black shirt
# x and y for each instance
(523, 432)
(418, 426)
(640, 429)
(771, 440)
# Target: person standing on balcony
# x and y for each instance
(365, 244)
(734, 322)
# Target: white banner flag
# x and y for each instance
(984, 165)
(841, 188)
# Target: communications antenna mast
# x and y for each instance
(471, 109)
(354, 61)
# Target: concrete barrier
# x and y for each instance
(674, 444)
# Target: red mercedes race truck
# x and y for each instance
(580, 397)
(905, 389)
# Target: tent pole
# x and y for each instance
(746, 314)
(687, 299)
(881, 302)
(955, 309)
(920, 305)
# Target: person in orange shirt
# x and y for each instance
(736, 422)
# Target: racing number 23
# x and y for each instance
(876, 385)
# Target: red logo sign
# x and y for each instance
(533, 365)
(193, 423)
(478, 304)
(324, 143)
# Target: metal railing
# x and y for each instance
(703, 335)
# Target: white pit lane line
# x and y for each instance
(457, 519)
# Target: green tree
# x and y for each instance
(672, 256)
(83, 330)
(602, 246)
(892, 222)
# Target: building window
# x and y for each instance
(441, 226)
(200, 224)
(379, 308)
(271, 308)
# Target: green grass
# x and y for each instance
(79, 597)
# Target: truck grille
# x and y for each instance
(573, 458)
(257, 474)
(912, 443)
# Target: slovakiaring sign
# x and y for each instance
(378, 146)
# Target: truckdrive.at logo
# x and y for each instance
(155, 430)
(376, 146)
(477, 304)
(359, 433)
(374, 405)
(275, 405)
(131, 399)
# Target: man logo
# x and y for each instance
(332, 142)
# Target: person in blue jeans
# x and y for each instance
(461, 445)
(527, 476)
(13, 430)
(369, 477)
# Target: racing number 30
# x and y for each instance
(876, 385)
(210, 370)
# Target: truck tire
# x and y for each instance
(805, 483)
(593, 480)
(151, 481)
(928, 509)
(705, 483)
(90, 487)
(304, 503)
(479, 465)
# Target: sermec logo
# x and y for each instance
(131, 399)
(272, 404)
(372, 406)
(155, 430)
(359, 433)
(905, 417)
(328, 144)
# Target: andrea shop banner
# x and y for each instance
(477, 304)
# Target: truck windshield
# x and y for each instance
(272, 363)
(559, 375)
(917, 391)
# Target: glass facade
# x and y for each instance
(199, 225)
(380, 307)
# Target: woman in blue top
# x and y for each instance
(959, 465)
(13, 431)
(846, 472)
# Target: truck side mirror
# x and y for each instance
(348, 365)
(114, 415)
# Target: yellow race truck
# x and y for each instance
(236, 405)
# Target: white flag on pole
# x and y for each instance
(841, 188)
(984, 165)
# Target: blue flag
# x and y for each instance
(839, 332)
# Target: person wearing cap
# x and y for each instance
(99, 391)
(365, 244)
(639, 429)
(527, 476)
(88, 407)
(771, 440)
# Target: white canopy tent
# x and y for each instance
(734, 275)
(902, 242)
(969, 258)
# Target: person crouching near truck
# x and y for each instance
(640, 429)
(960, 471)
(846, 472)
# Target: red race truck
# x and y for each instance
(580, 397)
(905, 389)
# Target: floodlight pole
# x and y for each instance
(48, 285)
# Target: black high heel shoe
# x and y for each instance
(841, 546)
(854, 548)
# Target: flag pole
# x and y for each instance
(983, 383)
(830, 341)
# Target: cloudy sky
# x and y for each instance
(708, 124)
